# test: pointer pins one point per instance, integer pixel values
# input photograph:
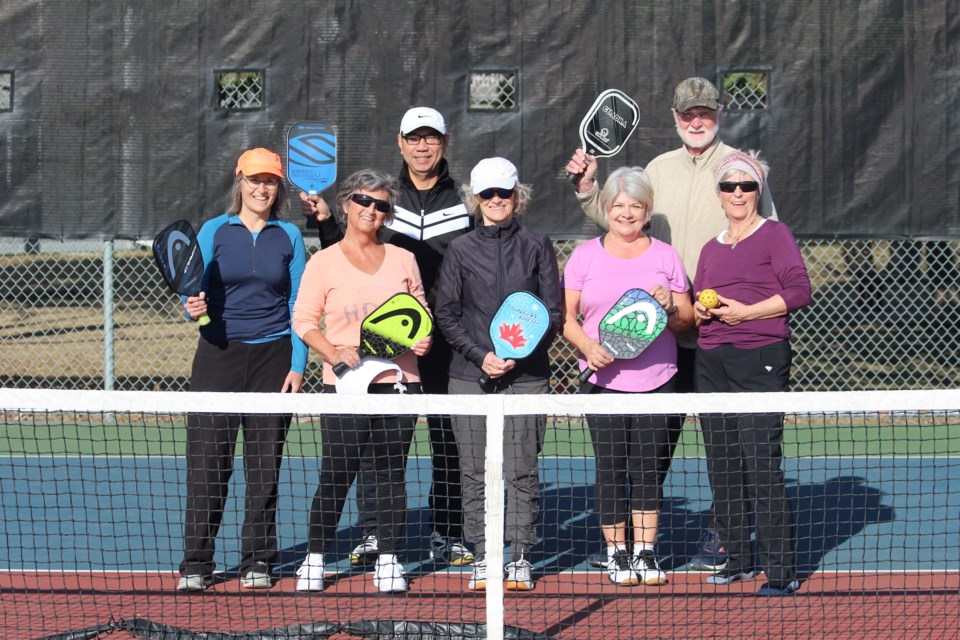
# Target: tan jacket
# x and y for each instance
(686, 208)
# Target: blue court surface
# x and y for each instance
(111, 513)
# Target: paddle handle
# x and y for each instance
(484, 380)
(340, 368)
(585, 375)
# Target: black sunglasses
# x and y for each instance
(383, 206)
(746, 187)
(505, 194)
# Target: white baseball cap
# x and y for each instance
(493, 172)
(422, 117)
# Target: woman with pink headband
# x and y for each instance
(757, 272)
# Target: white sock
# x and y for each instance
(641, 546)
(612, 550)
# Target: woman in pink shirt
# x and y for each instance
(598, 273)
(341, 285)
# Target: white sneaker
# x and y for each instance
(194, 582)
(519, 576)
(310, 574)
(620, 569)
(648, 569)
(389, 576)
(365, 552)
(257, 578)
(478, 579)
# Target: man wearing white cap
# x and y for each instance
(429, 215)
(686, 214)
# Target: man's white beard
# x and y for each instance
(697, 143)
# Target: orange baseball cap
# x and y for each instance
(259, 160)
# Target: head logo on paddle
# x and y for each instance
(391, 329)
(311, 156)
(518, 327)
(630, 326)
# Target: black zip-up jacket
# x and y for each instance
(426, 223)
(480, 270)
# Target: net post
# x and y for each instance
(494, 511)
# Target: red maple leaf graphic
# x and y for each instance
(513, 333)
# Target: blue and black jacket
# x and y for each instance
(251, 282)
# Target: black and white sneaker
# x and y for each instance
(620, 569)
(648, 569)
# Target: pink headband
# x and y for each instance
(745, 162)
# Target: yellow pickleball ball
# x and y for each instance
(709, 298)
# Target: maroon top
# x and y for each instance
(765, 263)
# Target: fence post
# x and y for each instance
(108, 355)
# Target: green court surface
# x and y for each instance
(883, 434)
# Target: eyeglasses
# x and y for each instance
(746, 187)
(383, 206)
(430, 138)
(704, 114)
(268, 183)
(503, 194)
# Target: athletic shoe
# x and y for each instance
(726, 576)
(598, 559)
(365, 552)
(194, 582)
(778, 588)
(519, 576)
(449, 550)
(711, 556)
(620, 570)
(310, 574)
(478, 580)
(648, 569)
(389, 576)
(257, 578)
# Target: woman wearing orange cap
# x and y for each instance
(250, 323)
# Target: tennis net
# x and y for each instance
(93, 502)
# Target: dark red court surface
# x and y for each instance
(578, 605)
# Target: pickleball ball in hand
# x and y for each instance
(709, 298)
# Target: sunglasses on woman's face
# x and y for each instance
(503, 194)
(365, 201)
(746, 187)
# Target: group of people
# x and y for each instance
(700, 217)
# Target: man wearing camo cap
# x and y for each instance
(686, 214)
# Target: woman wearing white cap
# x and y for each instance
(480, 270)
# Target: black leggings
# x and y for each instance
(636, 447)
(344, 439)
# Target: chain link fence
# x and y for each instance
(84, 315)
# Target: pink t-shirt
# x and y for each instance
(333, 289)
(601, 279)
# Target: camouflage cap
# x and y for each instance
(695, 92)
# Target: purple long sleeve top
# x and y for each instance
(764, 264)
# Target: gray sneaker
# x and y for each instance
(194, 582)
(257, 578)
(450, 551)
(519, 576)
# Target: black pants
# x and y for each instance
(211, 441)
(346, 439)
(445, 493)
(744, 454)
(634, 449)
